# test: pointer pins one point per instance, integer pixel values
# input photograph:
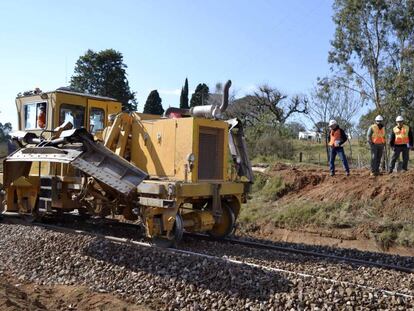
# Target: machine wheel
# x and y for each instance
(226, 225)
(178, 231)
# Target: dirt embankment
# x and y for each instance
(360, 206)
(390, 194)
(17, 296)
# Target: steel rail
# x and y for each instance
(266, 246)
(303, 252)
(225, 259)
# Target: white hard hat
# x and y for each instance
(332, 122)
(399, 119)
(379, 118)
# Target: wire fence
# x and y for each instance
(359, 158)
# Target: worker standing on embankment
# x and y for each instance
(376, 140)
(401, 141)
(337, 139)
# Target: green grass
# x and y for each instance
(299, 214)
(303, 213)
(406, 236)
(357, 152)
(265, 208)
(272, 188)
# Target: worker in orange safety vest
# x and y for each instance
(336, 141)
(401, 141)
(376, 140)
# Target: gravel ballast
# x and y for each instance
(165, 280)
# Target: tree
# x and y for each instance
(153, 104)
(104, 73)
(330, 101)
(293, 129)
(266, 105)
(360, 43)
(200, 95)
(184, 95)
(373, 47)
(5, 129)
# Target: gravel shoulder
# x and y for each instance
(162, 280)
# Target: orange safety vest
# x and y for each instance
(401, 135)
(378, 135)
(335, 135)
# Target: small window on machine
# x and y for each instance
(73, 113)
(35, 116)
(96, 120)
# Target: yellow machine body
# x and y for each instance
(83, 110)
(190, 184)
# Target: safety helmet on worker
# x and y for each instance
(379, 118)
(399, 119)
(332, 122)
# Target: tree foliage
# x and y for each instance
(200, 95)
(373, 48)
(153, 104)
(266, 106)
(330, 101)
(184, 95)
(5, 129)
(264, 114)
(104, 73)
(293, 129)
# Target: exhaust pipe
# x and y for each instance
(213, 111)
(204, 111)
(225, 101)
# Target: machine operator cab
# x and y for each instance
(41, 112)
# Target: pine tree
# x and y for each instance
(184, 96)
(153, 104)
(200, 96)
(104, 73)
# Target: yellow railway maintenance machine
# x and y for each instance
(186, 171)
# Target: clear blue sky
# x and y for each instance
(282, 43)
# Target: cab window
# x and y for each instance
(35, 116)
(96, 120)
(72, 113)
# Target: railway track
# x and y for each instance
(350, 260)
(247, 243)
(250, 244)
(239, 262)
(269, 246)
(215, 256)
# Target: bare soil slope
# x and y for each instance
(360, 206)
(391, 195)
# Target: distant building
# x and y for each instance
(310, 135)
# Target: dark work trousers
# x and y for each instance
(341, 153)
(396, 154)
(376, 155)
